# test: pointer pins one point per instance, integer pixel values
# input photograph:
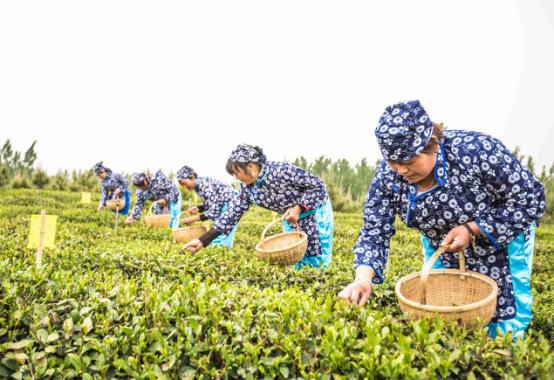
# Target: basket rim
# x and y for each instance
(181, 229)
(157, 216)
(448, 309)
(270, 251)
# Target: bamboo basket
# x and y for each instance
(466, 297)
(185, 234)
(115, 204)
(285, 248)
(157, 221)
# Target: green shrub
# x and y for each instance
(40, 179)
(21, 182)
(132, 305)
(59, 181)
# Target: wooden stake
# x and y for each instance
(41, 238)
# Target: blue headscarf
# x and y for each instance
(247, 153)
(404, 130)
(99, 168)
(138, 179)
(185, 172)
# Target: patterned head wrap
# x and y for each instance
(99, 168)
(138, 179)
(185, 172)
(404, 130)
(248, 153)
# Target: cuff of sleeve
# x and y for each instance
(378, 278)
(203, 217)
(304, 208)
(209, 236)
(481, 224)
(201, 208)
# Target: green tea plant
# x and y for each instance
(130, 304)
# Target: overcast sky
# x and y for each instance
(147, 85)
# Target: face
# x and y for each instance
(187, 183)
(416, 169)
(249, 176)
(102, 175)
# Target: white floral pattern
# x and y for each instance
(404, 130)
(111, 183)
(479, 180)
(280, 186)
(215, 194)
(159, 187)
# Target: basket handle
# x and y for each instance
(152, 206)
(150, 209)
(427, 269)
(272, 223)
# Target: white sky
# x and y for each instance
(161, 84)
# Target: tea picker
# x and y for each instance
(284, 188)
(114, 186)
(166, 207)
(216, 197)
(458, 188)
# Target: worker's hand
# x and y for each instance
(161, 202)
(357, 293)
(189, 220)
(457, 239)
(292, 214)
(193, 246)
(193, 210)
(116, 192)
(129, 220)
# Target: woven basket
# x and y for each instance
(115, 204)
(463, 296)
(157, 221)
(285, 248)
(186, 234)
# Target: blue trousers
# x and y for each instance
(324, 220)
(225, 240)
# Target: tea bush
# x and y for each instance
(130, 304)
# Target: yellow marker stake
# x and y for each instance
(42, 233)
(85, 198)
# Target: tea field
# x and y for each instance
(131, 305)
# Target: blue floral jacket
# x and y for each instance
(159, 187)
(479, 180)
(111, 183)
(215, 194)
(280, 186)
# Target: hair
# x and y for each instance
(101, 165)
(233, 167)
(438, 133)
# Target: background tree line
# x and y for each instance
(347, 184)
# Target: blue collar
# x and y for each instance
(439, 172)
(108, 176)
(197, 182)
(261, 177)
